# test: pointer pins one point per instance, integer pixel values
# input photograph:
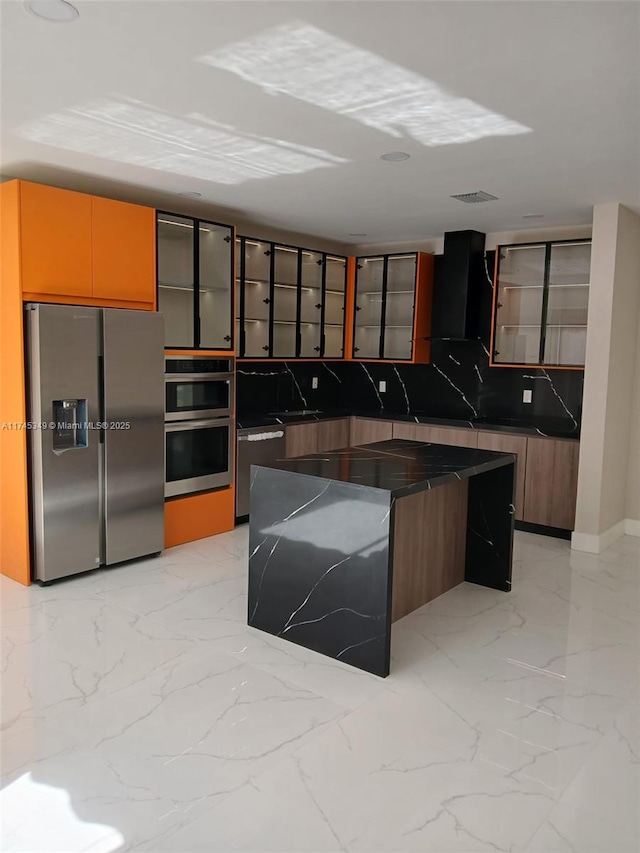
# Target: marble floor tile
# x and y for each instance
(140, 713)
(567, 830)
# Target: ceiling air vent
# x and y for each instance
(475, 198)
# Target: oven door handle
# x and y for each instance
(175, 426)
(198, 377)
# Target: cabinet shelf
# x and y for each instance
(387, 326)
(538, 286)
(547, 326)
(291, 286)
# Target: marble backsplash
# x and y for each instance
(457, 384)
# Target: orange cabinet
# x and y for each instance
(85, 249)
(55, 240)
(123, 248)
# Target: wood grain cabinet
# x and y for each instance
(123, 251)
(506, 443)
(332, 435)
(317, 437)
(551, 482)
(301, 439)
(435, 434)
(55, 241)
(365, 431)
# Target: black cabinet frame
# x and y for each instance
(197, 222)
(273, 246)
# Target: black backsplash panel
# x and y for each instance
(457, 384)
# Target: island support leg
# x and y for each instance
(490, 525)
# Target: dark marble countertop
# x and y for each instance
(550, 427)
(398, 466)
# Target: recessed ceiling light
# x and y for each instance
(357, 234)
(55, 11)
(191, 194)
(395, 156)
(533, 216)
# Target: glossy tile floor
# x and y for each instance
(140, 713)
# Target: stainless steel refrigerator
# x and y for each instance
(96, 407)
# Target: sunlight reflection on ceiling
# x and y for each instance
(120, 128)
(41, 817)
(302, 61)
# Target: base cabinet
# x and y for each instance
(364, 431)
(316, 437)
(332, 435)
(505, 443)
(301, 439)
(547, 469)
(551, 482)
(436, 434)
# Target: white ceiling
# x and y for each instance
(278, 112)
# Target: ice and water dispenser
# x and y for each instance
(70, 424)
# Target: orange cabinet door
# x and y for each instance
(55, 241)
(124, 251)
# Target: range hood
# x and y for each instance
(459, 277)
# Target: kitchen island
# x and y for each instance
(342, 544)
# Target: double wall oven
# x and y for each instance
(199, 425)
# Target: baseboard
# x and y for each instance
(596, 543)
(543, 530)
(632, 526)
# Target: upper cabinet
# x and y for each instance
(195, 282)
(55, 232)
(290, 301)
(540, 304)
(393, 296)
(85, 249)
(123, 249)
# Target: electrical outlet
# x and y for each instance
(526, 395)
(382, 386)
(314, 382)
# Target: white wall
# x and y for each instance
(435, 245)
(633, 486)
(609, 472)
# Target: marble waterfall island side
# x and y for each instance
(344, 543)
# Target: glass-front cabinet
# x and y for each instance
(386, 306)
(541, 303)
(290, 301)
(195, 280)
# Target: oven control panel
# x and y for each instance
(198, 365)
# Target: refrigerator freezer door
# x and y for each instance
(62, 354)
(133, 349)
